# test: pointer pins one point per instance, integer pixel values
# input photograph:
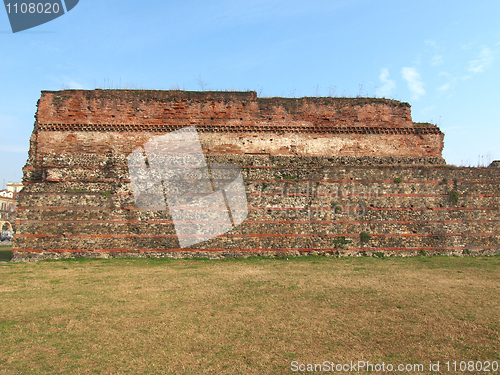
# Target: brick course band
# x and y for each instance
(274, 128)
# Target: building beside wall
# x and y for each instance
(8, 208)
(14, 187)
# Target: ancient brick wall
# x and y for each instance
(77, 198)
(118, 121)
(295, 205)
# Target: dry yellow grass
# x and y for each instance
(251, 316)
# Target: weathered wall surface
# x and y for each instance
(296, 205)
(318, 172)
(292, 144)
(118, 121)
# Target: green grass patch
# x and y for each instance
(76, 191)
(244, 316)
(106, 194)
(341, 242)
(5, 253)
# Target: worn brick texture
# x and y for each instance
(318, 172)
(118, 121)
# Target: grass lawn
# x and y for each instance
(5, 252)
(246, 316)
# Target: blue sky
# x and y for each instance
(440, 56)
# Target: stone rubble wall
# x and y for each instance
(318, 173)
(83, 205)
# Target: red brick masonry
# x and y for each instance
(318, 172)
(102, 121)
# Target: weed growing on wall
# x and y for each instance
(341, 242)
(453, 196)
(106, 194)
(365, 237)
(336, 208)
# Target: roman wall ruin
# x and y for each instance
(338, 176)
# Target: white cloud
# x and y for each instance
(484, 59)
(444, 87)
(437, 60)
(71, 83)
(61, 82)
(431, 43)
(445, 74)
(387, 84)
(428, 109)
(415, 85)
